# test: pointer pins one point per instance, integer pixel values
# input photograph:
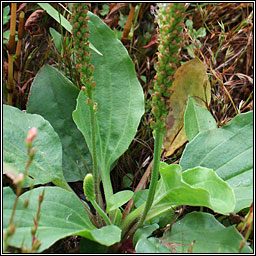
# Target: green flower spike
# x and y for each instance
(170, 21)
(88, 185)
(89, 193)
(80, 34)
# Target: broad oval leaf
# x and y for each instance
(118, 199)
(107, 235)
(53, 87)
(46, 166)
(62, 214)
(197, 119)
(197, 187)
(118, 94)
(209, 236)
(189, 80)
(229, 152)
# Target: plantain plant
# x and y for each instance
(104, 111)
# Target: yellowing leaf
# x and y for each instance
(189, 79)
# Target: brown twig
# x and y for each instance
(20, 37)
(128, 24)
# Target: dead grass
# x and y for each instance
(228, 51)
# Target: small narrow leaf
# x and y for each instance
(57, 39)
(56, 15)
(62, 21)
(119, 199)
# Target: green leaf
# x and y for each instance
(62, 214)
(118, 94)
(56, 15)
(196, 187)
(57, 39)
(52, 87)
(105, 10)
(144, 232)
(6, 17)
(46, 166)
(140, 197)
(118, 199)
(6, 36)
(208, 234)
(150, 245)
(118, 217)
(190, 48)
(201, 32)
(229, 152)
(189, 24)
(62, 21)
(197, 119)
(107, 235)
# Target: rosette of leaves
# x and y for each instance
(171, 22)
(80, 34)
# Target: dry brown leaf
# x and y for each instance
(189, 79)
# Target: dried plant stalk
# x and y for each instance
(11, 49)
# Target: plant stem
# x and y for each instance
(246, 237)
(101, 212)
(108, 191)
(144, 209)
(95, 165)
(126, 223)
(10, 80)
(159, 136)
(94, 156)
